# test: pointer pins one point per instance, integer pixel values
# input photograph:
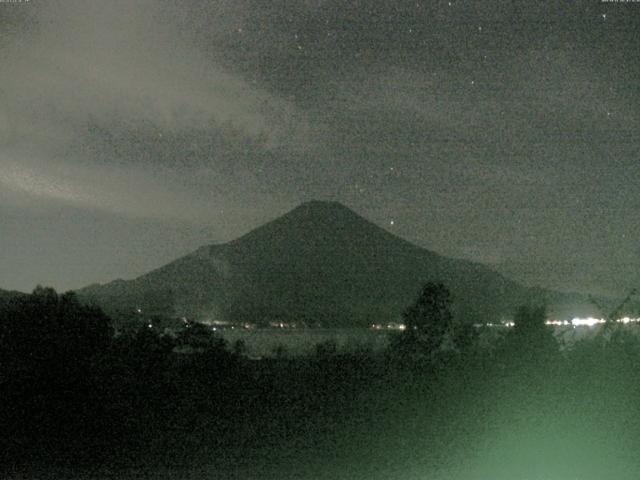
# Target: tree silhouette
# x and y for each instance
(429, 325)
(45, 329)
(531, 338)
(612, 316)
(199, 337)
(613, 334)
(50, 346)
(430, 315)
(529, 321)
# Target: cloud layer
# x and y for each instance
(499, 133)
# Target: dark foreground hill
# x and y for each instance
(319, 263)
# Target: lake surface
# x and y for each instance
(295, 342)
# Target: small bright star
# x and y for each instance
(604, 16)
(392, 223)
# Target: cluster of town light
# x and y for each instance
(387, 326)
(574, 322)
(589, 321)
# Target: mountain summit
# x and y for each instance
(319, 263)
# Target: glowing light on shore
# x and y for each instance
(589, 321)
(574, 322)
(557, 323)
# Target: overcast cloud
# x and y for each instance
(499, 133)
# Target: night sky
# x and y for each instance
(504, 132)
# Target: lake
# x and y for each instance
(295, 342)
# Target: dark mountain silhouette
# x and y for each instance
(319, 263)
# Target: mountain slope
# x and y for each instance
(321, 262)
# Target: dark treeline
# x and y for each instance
(445, 397)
